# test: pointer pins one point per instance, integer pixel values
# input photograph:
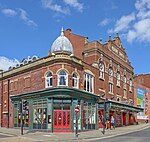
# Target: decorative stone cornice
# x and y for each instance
(42, 62)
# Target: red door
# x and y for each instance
(62, 121)
(124, 119)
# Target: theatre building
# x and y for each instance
(75, 72)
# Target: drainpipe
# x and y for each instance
(8, 100)
(1, 97)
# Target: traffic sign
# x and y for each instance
(76, 109)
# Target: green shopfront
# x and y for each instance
(53, 110)
(123, 113)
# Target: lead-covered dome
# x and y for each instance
(62, 44)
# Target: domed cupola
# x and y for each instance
(62, 45)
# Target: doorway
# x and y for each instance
(62, 121)
(124, 118)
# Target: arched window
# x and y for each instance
(88, 83)
(101, 68)
(130, 85)
(118, 99)
(110, 71)
(48, 80)
(124, 81)
(75, 80)
(118, 78)
(62, 78)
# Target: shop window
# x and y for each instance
(48, 80)
(17, 115)
(88, 83)
(89, 116)
(62, 78)
(101, 68)
(75, 81)
(40, 114)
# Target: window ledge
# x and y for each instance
(102, 79)
(48, 86)
(110, 81)
(62, 85)
(88, 91)
(111, 93)
(75, 87)
(25, 87)
(124, 97)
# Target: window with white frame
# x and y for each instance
(62, 78)
(101, 68)
(130, 85)
(110, 73)
(124, 81)
(118, 99)
(88, 83)
(124, 93)
(118, 78)
(75, 81)
(48, 80)
(110, 88)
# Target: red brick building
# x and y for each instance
(75, 72)
(141, 96)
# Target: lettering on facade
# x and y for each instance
(30, 97)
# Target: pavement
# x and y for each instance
(67, 137)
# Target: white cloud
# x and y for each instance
(49, 4)
(21, 13)
(124, 23)
(143, 8)
(5, 63)
(135, 26)
(9, 12)
(105, 22)
(75, 4)
(140, 31)
(24, 16)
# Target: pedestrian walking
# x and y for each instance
(112, 121)
(107, 124)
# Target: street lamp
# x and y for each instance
(1, 71)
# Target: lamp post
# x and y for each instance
(1, 71)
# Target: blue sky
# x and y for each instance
(29, 27)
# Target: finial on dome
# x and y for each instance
(62, 44)
(62, 31)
